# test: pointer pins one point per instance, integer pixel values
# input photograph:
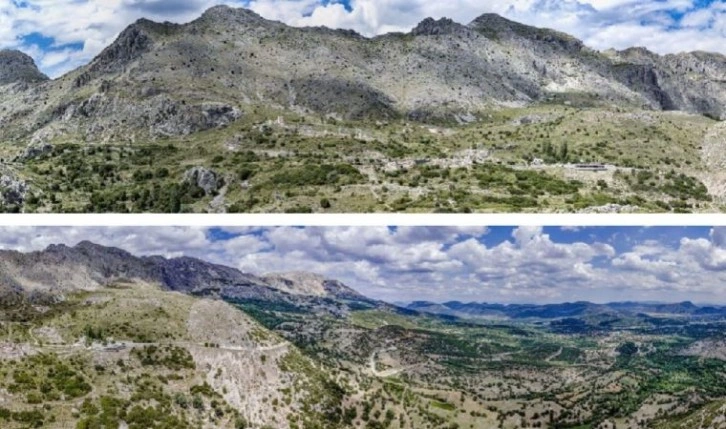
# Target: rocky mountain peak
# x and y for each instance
(87, 251)
(56, 248)
(492, 21)
(222, 14)
(495, 26)
(433, 27)
(96, 250)
(131, 44)
(16, 66)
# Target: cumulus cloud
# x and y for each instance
(665, 26)
(94, 25)
(523, 264)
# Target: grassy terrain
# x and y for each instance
(131, 356)
(103, 358)
(440, 372)
(513, 160)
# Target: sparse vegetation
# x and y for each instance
(493, 165)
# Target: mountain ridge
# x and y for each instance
(563, 310)
(482, 43)
(17, 66)
(96, 266)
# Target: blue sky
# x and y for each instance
(497, 264)
(63, 34)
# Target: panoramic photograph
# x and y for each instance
(362, 214)
(357, 106)
(362, 327)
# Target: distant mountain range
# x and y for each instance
(160, 79)
(564, 310)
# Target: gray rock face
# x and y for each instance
(217, 115)
(351, 100)
(694, 81)
(16, 66)
(645, 79)
(130, 44)
(170, 118)
(204, 178)
(159, 115)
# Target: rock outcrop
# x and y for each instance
(432, 27)
(35, 150)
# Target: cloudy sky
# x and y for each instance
(63, 34)
(497, 264)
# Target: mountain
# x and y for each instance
(168, 79)
(301, 283)
(105, 318)
(111, 349)
(60, 269)
(235, 113)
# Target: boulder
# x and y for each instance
(35, 150)
(205, 178)
(12, 191)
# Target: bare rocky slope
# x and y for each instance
(163, 79)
